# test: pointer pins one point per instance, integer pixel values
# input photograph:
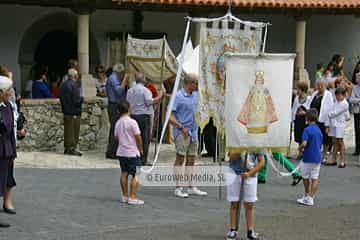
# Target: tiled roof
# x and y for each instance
(258, 3)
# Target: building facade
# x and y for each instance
(51, 33)
(44, 34)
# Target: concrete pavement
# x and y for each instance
(62, 197)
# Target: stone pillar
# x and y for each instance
(300, 72)
(83, 26)
(83, 21)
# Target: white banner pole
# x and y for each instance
(172, 99)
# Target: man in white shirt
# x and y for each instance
(141, 107)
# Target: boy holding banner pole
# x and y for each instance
(241, 182)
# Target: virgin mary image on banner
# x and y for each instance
(258, 111)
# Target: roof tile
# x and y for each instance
(258, 3)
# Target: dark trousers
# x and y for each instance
(71, 132)
(113, 113)
(210, 144)
(357, 131)
(144, 122)
(7, 179)
(208, 138)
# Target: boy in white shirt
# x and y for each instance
(338, 115)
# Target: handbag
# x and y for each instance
(20, 121)
(20, 124)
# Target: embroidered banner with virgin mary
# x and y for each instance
(216, 39)
(258, 101)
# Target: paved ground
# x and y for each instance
(90, 160)
(78, 198)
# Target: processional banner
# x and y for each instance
(152, 57)
(258, 101)
(216, 39)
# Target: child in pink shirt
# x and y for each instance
(129, 151)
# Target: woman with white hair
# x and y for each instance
(322, 101)
(7, 146)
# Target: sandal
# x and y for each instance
(342, 165)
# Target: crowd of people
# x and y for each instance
(319, 119)
(335, 98)
(47, 85)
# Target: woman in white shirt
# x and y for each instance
(322, 101)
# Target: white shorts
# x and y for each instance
(310, 170)
(233, 185)
(337, 132)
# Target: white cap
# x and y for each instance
(5, 83)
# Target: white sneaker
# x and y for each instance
(124, 199)
(135, 201)
(196, 191)
(179, 193)
(231, 235)
(310, 201)
(306, 200)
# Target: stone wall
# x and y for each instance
(45, 129)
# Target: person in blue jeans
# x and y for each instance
(312, 139)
